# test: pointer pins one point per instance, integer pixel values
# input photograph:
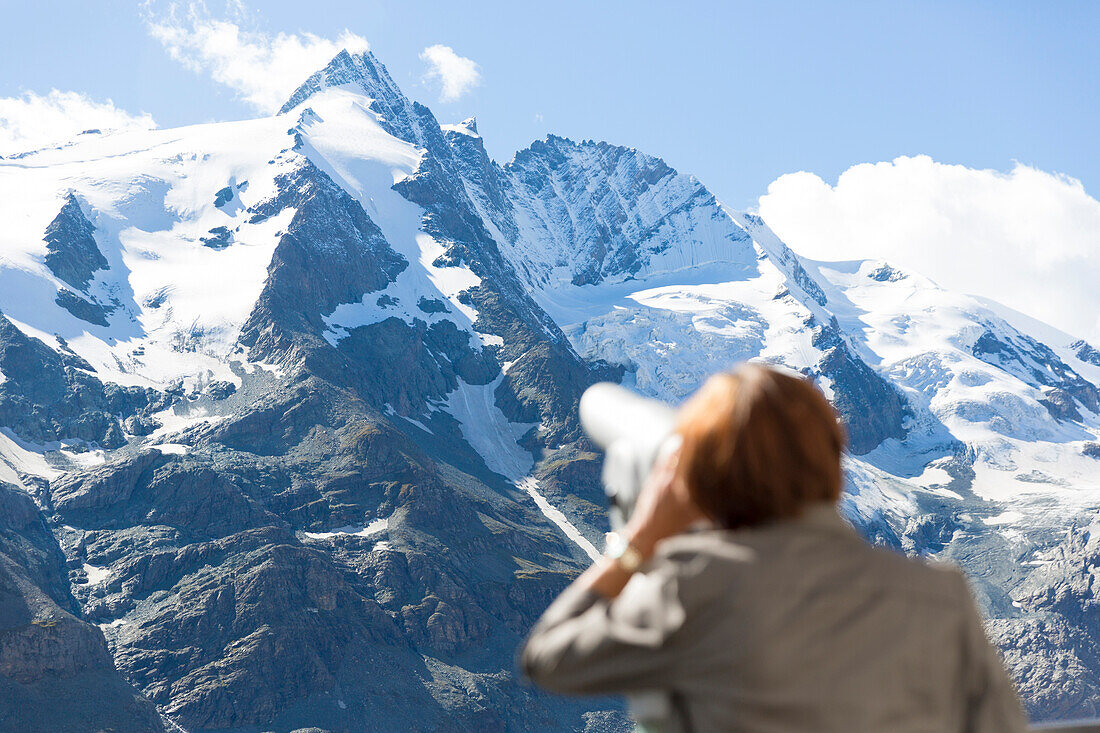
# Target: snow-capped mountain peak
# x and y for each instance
(467, 127)
(362, 71)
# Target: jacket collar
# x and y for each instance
(823, 515)
(819, 515)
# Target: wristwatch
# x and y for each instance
(619, 550)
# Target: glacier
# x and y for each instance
(220, 342)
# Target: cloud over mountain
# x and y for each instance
(34, 120)
(1027, 238)
(262, 68)
(456, 74)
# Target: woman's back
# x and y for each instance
(785, 620)
(794, 625)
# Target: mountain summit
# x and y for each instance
(288, 413)
(362, 71)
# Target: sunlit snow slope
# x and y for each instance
(187, 291)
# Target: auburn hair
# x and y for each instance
(758, 445)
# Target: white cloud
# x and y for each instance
(456, 74)
(33, 121)
(1028, 239)
(263, 69)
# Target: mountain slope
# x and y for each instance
(296, 398)
(293, 462)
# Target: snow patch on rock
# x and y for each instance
(376, 526)
(488, 431)
(555, 515)
(96, 575)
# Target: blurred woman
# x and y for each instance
(777, 616)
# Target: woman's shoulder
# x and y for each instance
(729, 557)
(700, 566)
(719, 544)
(931, 579)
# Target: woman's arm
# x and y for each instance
(594, 638)
(588, 644)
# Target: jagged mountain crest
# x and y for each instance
(361, 70)
(614, 230)
(469, 126)
(498, 303)
(363, 74)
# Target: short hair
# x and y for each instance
(758, 445)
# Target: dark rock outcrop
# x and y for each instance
(223, 196)
(331, 253)
(83, 308)
(49, 395)
(1035, 362)
(71, 251)
(217, 238)
(872, 408)
(1086, 352)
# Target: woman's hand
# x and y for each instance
(664, 507)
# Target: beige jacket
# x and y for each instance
(794, 626)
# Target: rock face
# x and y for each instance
(232, 603)
(74, 257)
(1058, 616)
(49, 395)
(55, 670)
(1037, 363)
(608, 213)
(292, 455)
(83, 308)
(606, 239)
(873, 410)
(1085, 352)
(331, 253)
(71, 251)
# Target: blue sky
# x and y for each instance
(736, 93)
(958, 139)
